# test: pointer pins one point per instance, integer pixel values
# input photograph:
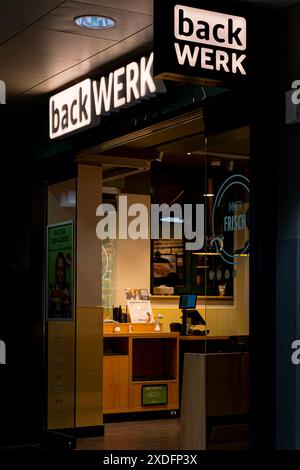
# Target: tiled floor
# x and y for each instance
(163, 434)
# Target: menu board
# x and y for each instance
(155, 394)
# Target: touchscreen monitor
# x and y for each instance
(187, 301)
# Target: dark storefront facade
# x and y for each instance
(183, 139)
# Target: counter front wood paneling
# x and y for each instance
(89, 352)
(126, 328)
(115, 384)
(132, 360)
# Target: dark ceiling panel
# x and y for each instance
(25, 12)
(30, 63)
(19, 82)
(95, 63)
(57, 44)
(140, 6)
(8, 30)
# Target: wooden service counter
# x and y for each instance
(140, 369)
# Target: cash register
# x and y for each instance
(187, 304)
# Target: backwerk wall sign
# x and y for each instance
(197, 41)
(82, 105)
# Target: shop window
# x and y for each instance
(211, 270)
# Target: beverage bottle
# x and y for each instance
(122, 316)
(116, 314)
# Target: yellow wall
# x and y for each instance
(61, 374)
(133, 258)
(89, 366)
(223, 317)
(89, 348)
(89, 256)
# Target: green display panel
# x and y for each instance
(154, 394)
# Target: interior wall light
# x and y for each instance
(94, 22)
(230, 165)
(174, 220)
(216, 163)
(67, 199)
(160, 157)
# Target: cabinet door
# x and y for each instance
(115, 383)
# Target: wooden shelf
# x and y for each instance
(218, 254)
(202, 297)
(154, 382)
(137, 328)
(207, 254)
(151, 357)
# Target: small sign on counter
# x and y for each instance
(155, 394)
(139, 305)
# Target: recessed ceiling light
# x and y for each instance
(94, 22)
(208, 195)
(189, 153)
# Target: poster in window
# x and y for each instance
(60, 271)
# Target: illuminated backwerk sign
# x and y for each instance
(193, 42)
(82, 105)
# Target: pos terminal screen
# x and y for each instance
(187, 301)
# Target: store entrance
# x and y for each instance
(180, 165)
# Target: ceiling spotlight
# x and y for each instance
(208, 195)
(94, 22)
(188, 154)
